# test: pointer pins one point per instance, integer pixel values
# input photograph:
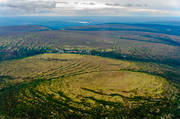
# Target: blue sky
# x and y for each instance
(89, 7)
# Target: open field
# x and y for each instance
(82, 86)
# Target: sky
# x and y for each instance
(90, 8)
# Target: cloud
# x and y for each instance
(89, 7)
(62, 3)
(81, 5)
(127, 5)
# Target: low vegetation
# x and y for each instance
(77, 86)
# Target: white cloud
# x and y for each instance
(97, 7)
(82, 5)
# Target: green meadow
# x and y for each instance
(84, 86)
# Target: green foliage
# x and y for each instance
(77, 86)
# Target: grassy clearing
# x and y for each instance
(81, 86)
(17, 71)
(125, 83)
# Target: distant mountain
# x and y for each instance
(155, 28)
(60, 22)
(7, 30)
